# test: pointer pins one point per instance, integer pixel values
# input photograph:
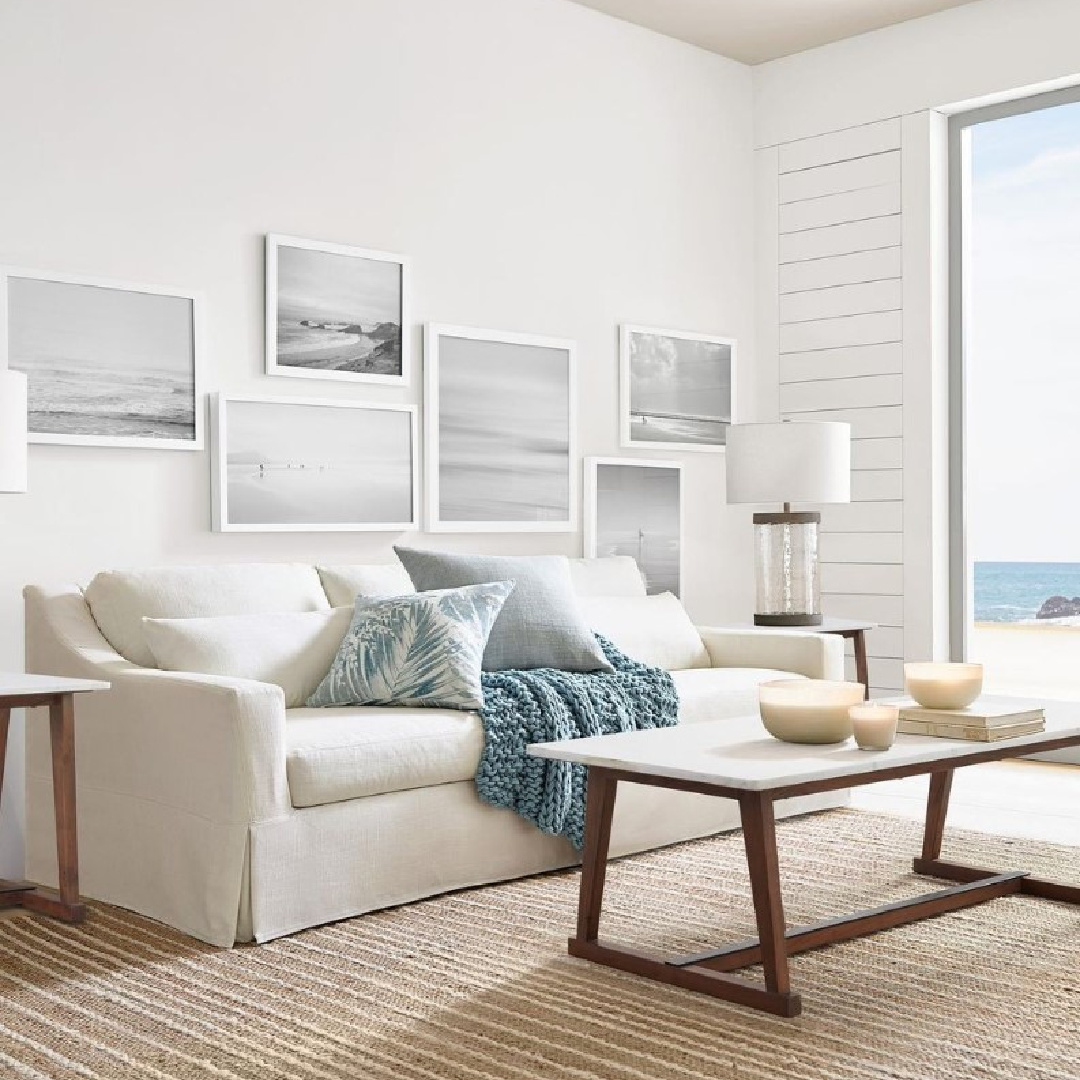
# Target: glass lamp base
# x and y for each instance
(786, 563)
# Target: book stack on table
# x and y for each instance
(985, 720)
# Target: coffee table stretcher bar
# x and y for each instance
(710, 973)
(29, 691)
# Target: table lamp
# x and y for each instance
(12, 431)
(788, 463)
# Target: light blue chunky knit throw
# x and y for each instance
(545, 705)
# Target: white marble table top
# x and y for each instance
(740, 754)
(17, 685)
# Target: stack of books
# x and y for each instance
(985, 720)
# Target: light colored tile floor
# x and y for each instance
(1031, 799)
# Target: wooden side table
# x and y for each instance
(849, 629)
(29, 691)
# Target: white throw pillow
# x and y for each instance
(653, 630)
(292, 649)
(374, 581)
(611, 575)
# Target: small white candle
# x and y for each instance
(874, 725)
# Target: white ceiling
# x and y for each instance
(756, 30)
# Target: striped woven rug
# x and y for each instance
(477, 985)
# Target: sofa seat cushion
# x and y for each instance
(716, 693)
(347, 753)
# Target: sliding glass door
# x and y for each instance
(1016, 392)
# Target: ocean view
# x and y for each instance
(1013, 592)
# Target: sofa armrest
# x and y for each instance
(206, 745)
(817, 656)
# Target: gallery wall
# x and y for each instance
(547, 169)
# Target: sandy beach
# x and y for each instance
(1028, 661)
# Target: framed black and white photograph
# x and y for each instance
(499, 431)
(294, 465)
(336, 312)
(677, 390)
(635, 508)
(108, 363)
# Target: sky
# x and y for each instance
(334, 287)
(1023, 338)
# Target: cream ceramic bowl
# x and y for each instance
(808, 710)
(944, 686)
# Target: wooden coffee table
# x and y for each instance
(736, 759)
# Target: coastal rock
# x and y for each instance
(1059, 607)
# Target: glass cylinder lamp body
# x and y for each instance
(786, 559)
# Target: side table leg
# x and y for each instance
(599, 807)
(66, 906)
(759, 835)
(5, 723)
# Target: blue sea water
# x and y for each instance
(1014, 591)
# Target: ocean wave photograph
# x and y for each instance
(103, 362)
(333, 310)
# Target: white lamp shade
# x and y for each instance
(12, 431)
(789, 463)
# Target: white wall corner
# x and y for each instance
(925, 386)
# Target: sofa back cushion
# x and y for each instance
(291, 649)
(651, 629)
(612, 575)
(374, 581)
(119, 600)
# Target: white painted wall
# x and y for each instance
(549, 170)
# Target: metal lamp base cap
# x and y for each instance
(796, 619)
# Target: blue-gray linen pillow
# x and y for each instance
(541, 624)
(415, 650)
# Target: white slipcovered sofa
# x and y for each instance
(206, 804)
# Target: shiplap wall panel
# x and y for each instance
(871, 171)
(840, 299)
(854, 142)
(871, 202)
(883, 422)
(869, 235)
(877, 264)
(850, 393)
(877, 485)
(861, 299)
(849, 363)
(878, 579)
(877, 454)
(861, 547)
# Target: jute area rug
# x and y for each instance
(477, 985)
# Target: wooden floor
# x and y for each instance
(1030, 799)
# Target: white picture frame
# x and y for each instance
(227, 517)
(516, 406)
(282, 255)
(606, 537)
(77, 343)
(686, 379)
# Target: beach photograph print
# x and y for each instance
(302, 466)
(635, 508)
(677, 389)
(335, 312)
(499, 414)
(107, 364)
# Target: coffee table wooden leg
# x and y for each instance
(759, 836)
(937, 807)
(599, 808)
